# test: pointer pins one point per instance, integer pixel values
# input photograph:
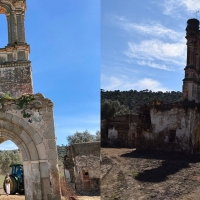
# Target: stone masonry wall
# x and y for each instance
(28, 122)
(170, 130)
(86, 158)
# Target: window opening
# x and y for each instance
(4, 31)
(172, 135)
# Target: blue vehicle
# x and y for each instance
(17, 179)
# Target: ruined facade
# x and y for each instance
(176, 126)
(119, 131)
(83, 164)
(169, 127)
(26, 118)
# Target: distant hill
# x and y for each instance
(133, 99)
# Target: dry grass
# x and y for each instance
(67, 191)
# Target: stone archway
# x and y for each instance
(25, 118)
(31, 128)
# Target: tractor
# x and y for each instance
(17, 179)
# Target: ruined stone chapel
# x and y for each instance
(26, 118)
(176, 126)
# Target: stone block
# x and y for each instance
(42, 151)
(49, 108)
(37, 192)
(45, 183)
(47, 116)
(55, 180)
(37, 138)
(33, 151)
(49, 133)
(44, 169)
(24, 151)
(30, 130)
(15, 119)
(53, 164)
(52, 155)
(23, 123)
(35, 175)
(2, 115)
(52, 144)
(7, 125)
(8, 116)
(25, 137)
(18, 130)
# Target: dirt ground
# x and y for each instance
(22, 197)
(149, 175)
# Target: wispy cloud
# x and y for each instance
(172, 6)
(163, 43)
(124, 83)
(110, 82)
(151, 28)
(157, 49)
(154, 65)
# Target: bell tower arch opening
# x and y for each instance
(15, 67)
(4, 30)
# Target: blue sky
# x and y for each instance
(143, 43)
(64, 39)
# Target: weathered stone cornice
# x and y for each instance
(15, 64)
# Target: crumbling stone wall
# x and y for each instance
(169, 127)
(28, 122)
(86, 157)
(124, 126)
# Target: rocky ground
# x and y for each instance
(128, 174)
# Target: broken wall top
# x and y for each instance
(86, 148)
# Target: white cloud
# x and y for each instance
(156, 49)
(153, 28)
(154, 65)
(111, 82)
(125, 84)
(171, 6)
(147, 83)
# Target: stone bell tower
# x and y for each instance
(191, 82)
(15, 67)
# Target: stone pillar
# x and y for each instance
(13, 19)
(20, 28)
(37, 191)
(32, 180)
(27, 180)
(9, 29)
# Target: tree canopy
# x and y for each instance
(119, 102)
(85, 136)
(110, 108)
(7, 158)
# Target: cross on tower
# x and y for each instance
(196, 13)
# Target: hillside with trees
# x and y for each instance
(122, 102)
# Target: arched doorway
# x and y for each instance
(31, 128)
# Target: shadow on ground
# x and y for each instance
(170, 164)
